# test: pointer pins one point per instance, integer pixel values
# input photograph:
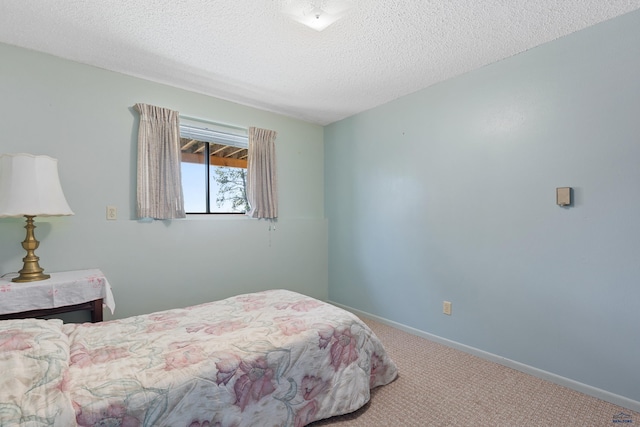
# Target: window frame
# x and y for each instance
(209, 132)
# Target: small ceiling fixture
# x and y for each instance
(316, 14)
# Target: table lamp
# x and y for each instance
(30, 187)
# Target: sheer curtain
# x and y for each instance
(262, 188)
(159, 191)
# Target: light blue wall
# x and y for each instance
(83, 116)
(449, 194)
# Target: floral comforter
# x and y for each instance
(273, 358)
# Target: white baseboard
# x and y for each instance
(616, 399)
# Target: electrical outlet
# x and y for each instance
(112, 212)
(446, 307)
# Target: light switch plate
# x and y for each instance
(563, 196)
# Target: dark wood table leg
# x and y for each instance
(96, 311)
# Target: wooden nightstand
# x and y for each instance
(62, 293)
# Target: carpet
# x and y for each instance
(443, 386)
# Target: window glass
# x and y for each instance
(214, 169)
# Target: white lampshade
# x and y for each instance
(29, 185)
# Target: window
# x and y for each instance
(213, 167)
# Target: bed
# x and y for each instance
(273, 358)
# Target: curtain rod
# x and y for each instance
(213, 123)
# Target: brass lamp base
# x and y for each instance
(30, 276)
(31, 270)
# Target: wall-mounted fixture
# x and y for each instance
(316, 14)
(563, 196)
(30, 187)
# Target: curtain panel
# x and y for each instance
(159, 186)
(262, 184)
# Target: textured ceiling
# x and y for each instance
(247, 51)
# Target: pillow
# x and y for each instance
(34, 357)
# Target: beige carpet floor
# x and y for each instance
(442, 386)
